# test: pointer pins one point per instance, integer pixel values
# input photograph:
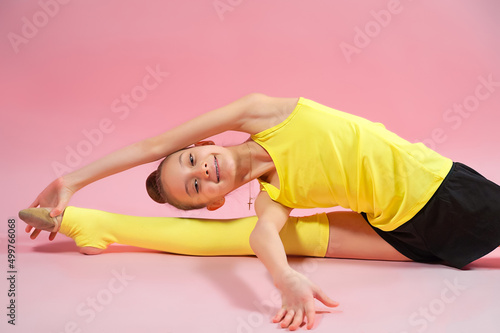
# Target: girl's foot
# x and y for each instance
(39, 218)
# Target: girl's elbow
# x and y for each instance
(255, 96)
(256, 237)
(255, 100)
(253, 239)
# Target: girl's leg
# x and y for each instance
(94, 230)
(351, 237)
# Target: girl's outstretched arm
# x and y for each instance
(297, 291)
(235, 116)
(231, 117)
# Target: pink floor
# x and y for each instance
(80, 79)
(129, 290)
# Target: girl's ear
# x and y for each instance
(216, 205)
(204, 143)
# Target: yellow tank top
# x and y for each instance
(326, 158)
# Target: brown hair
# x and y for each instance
(161, 195)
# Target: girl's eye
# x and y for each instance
(191, 159)
(196, 185)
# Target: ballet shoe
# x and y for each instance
(39, 218)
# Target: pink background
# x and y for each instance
(66, 67)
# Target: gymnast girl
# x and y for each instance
(408, 202)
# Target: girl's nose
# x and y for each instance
(205, 170)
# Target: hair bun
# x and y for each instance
(152, 188)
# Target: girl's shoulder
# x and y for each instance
(266, 112)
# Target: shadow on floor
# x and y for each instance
(70, 246)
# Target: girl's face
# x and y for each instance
(200, 175)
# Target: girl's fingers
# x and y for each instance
(323, 298)
(56, 211)
(35, 233)
(288, 319)
(297, 320)
(310, 313)
(279, 315)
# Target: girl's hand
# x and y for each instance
(297, 296)
(56, 195)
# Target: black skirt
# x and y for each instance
(459, 224)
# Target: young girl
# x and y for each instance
(306, 155)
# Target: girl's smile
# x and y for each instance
(217, 172)
(200, 175)
(204, 174)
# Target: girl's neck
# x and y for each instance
(262, 163)
(253, 161)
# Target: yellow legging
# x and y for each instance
(304, 236)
